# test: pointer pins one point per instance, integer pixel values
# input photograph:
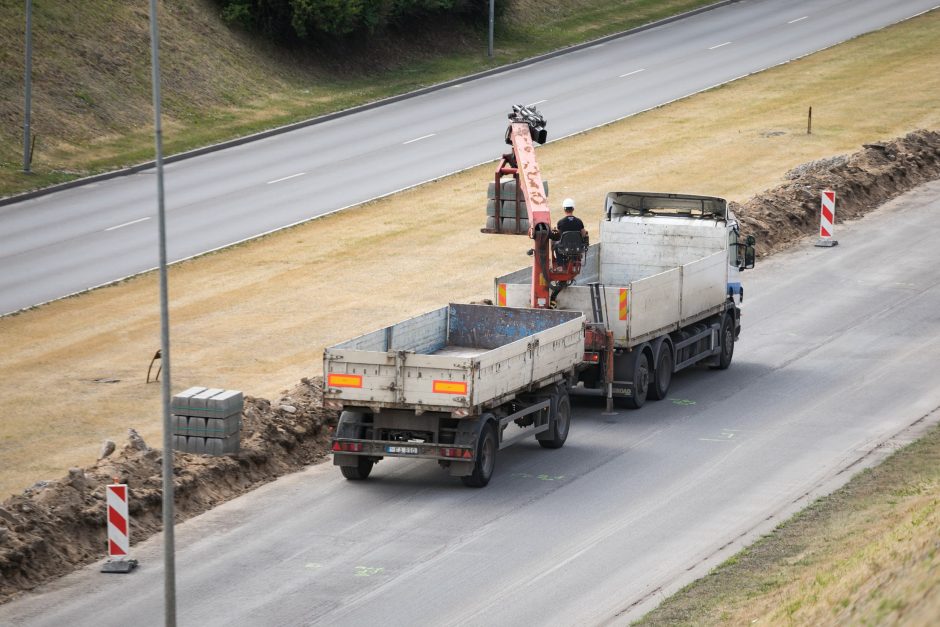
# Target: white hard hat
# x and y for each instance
(568, 203)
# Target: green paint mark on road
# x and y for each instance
(368, 571)
(681, 401)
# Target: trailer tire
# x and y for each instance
(561, 419)
(360, 471)
(662, 373)
(727, 343)
(486, 458)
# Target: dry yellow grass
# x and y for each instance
(256, 317)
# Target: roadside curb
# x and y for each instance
(9, 200)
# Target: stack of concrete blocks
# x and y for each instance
(207, 421)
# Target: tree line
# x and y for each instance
(312, 20)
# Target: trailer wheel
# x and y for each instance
(486, 458)
(727, 343)
(358, 472)
(639, 373)
(662, 373)
(561, 420)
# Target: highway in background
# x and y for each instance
(74, 239)
(837, 356)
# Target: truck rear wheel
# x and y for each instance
(486, 458)
(360, 471)
(635, 367)
(561, 419)
(727, 343)
(662, 374)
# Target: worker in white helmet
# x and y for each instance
(570, 222)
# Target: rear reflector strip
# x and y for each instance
(344, 380)
(350, 447)
(449, 387)
(459, 453)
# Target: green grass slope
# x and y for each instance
(91, 97)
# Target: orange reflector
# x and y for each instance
(623, 304)
(345, 380)
(449, 387)
(501, 295)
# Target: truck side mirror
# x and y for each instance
(750, 241)
(750, 255)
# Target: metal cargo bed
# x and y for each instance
(459, 357)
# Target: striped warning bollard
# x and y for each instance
(827, 218)
(118, 531)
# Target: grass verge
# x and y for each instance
(868, 554)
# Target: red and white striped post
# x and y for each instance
(118, 530)
(827, 218)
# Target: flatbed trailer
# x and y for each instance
(454, 385)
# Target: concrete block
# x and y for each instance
(223, 446)
(223, 427)
(183, 399)
(208, 403)
(196, 445)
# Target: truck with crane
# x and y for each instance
(660, 291)
(457, 384)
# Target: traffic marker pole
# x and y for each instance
(118, 531)
(827, 218)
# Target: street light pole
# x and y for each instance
(169, 557)
(489, 47)
(29, 76)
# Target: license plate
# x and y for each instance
(402, 450)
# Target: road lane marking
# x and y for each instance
(121, 226)
(719, 45)
(799, 19)
(292, 176)
(632, 73)
(368, 571)
(537, 102)
(417, 139)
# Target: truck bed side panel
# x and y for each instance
(704, 286)
(655, 304)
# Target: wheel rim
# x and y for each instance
(642, 377)
(563, 417)
(665, 370)
(488, 454)
(728, 340)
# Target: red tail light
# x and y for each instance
(591, 357)
(459, 453)
(347, 447)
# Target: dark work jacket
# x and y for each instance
(570, 223)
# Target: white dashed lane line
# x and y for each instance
(285, 178)
(121, 226)
(799, 19)
(417, 139)
(720, 45)
(632, 73)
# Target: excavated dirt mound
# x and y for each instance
(862, 182)
(53, 527)
(56, 526)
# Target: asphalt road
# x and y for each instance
(838, 355)
(79, 238)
